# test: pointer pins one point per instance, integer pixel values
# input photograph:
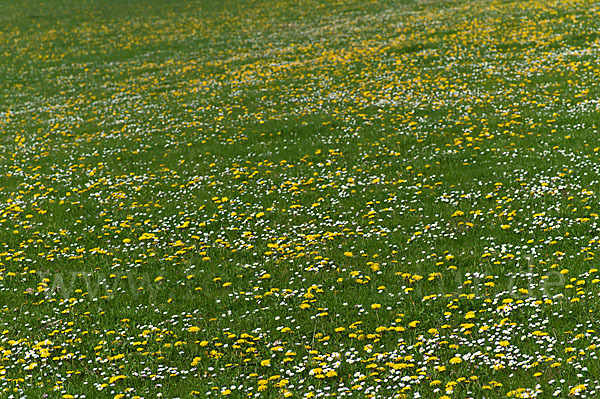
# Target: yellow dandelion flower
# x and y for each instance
(456, 360)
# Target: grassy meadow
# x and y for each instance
(299, 198)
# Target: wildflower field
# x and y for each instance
(299, 198)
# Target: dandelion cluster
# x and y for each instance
(299, 199)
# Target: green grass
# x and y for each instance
(299, 198)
